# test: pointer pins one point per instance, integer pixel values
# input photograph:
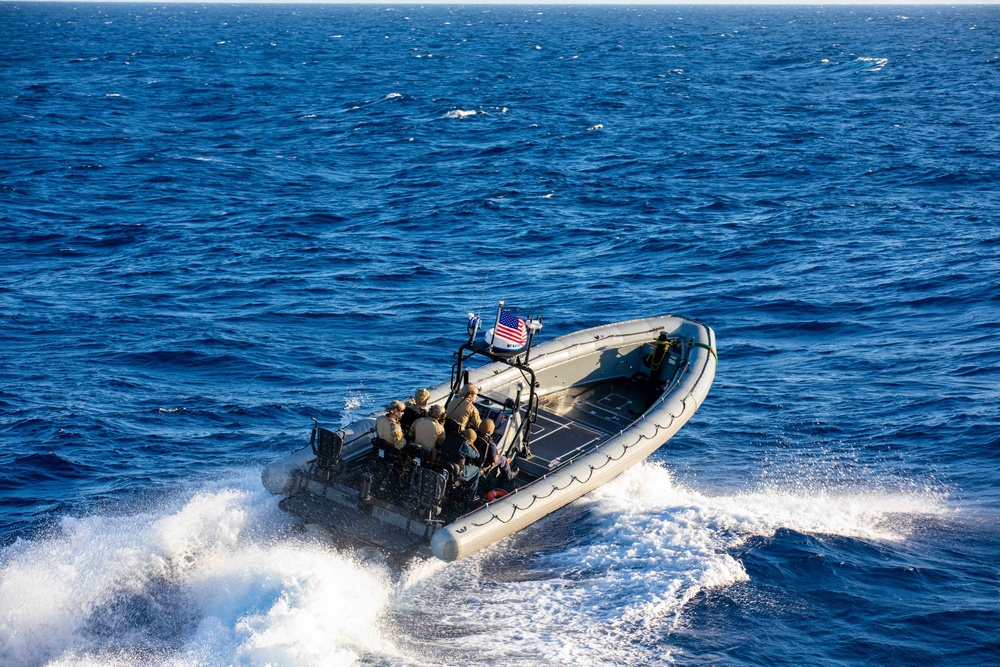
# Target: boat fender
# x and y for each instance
(495, 494)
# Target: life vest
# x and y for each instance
(451, 426)
(411, 414)
(451, 449)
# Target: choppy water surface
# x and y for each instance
(220, 221)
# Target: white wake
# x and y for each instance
(219, 576)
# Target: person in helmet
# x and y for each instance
(490, 456)
(428, 432)
(416, 408)
(387, 426)
(458, 448)
(462, 411)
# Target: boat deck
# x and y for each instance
(569, 423)
(573, 421)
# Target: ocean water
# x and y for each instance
(219, 221)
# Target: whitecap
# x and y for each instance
(460, 113)
(357, 404)
(879, 63)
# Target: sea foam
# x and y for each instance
(211, 579)
(638, 551)
(218, 575)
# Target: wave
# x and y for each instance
(209, 579)
(653, 545)
(219, 576)
(858, 64)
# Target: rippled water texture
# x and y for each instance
(220, 221)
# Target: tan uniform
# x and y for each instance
(464, 412)
(427, 433)
(390, 431)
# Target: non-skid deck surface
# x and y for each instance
(555, 438)
(574, 421)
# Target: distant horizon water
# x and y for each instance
(559, 3)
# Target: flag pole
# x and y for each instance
(495, 325)
(534, 324)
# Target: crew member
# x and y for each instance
(490, 456)
(416, 408)
(387, 426)
(457, 448)
(428, 432)
(462, 409)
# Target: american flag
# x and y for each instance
(512, 328)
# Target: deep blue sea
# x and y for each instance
(220, 221)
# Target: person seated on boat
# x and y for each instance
(491, 458)
(458, 448)
(462, 411)
(416, 408)
(387, 426)
(428, 432)
(484, 436)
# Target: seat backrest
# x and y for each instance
(452, 472)
(451, 426)
(451, 449)
(383, 450)
(428, 486)
(329, 446)
(415, 455)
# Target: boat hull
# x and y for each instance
(574, 360)
(530, 503)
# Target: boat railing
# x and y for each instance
(460, 377)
